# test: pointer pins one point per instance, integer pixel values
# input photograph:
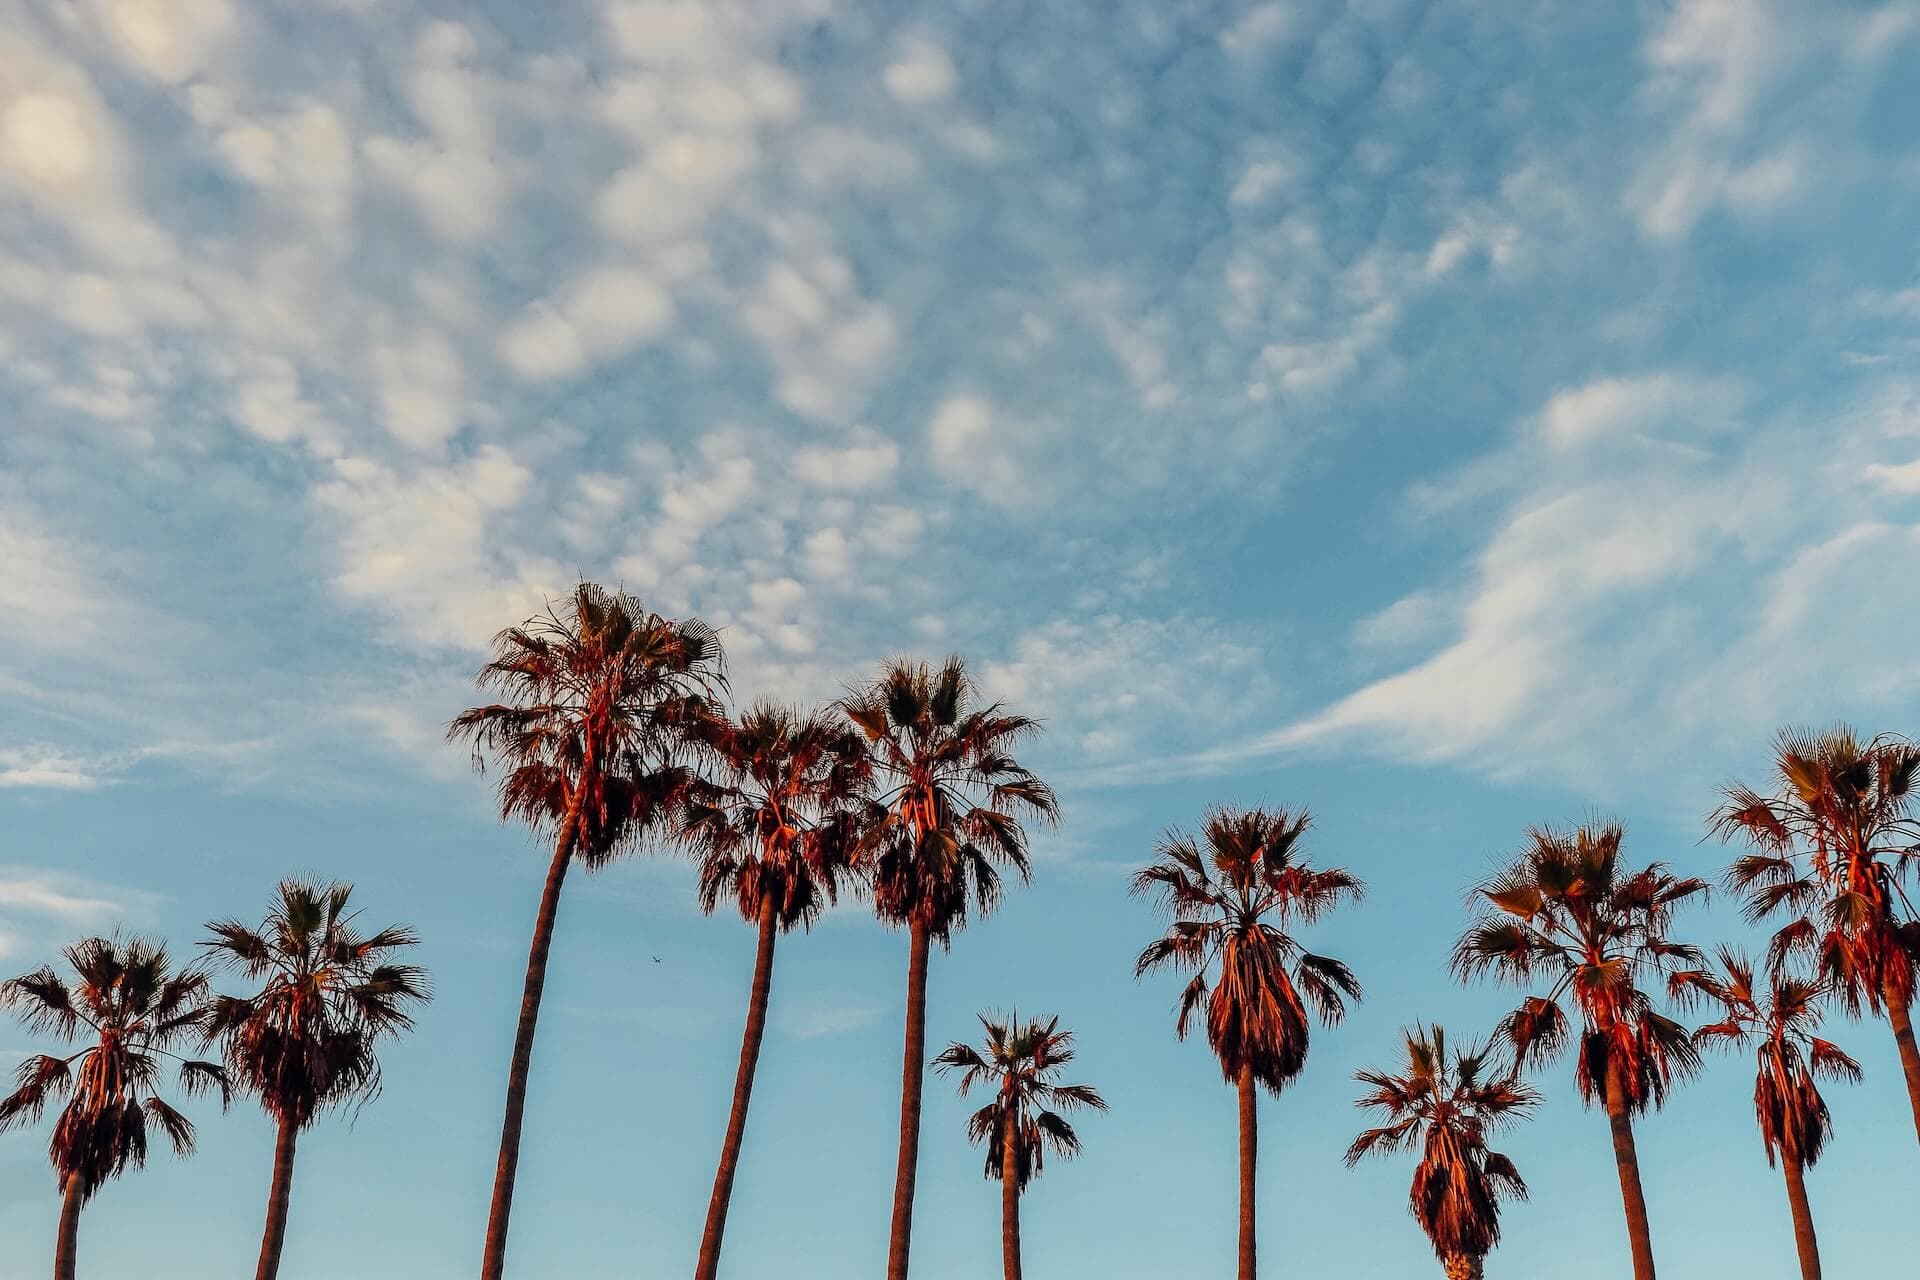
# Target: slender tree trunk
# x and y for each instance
(710, 1239)
(494, 1261)
(1627, 1160)
(1249, 1152)
(1010, 1194)
(1465, 1266)
(277, 1197)
(69, 1238)
(1902, 1020)
(912, 1071)
(1803, 1237)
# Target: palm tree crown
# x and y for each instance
(1021, 1061)
(776, 821)
(307, 1040)
(1232, 907)
(1567, 911)
(1830, 846)
(1445, 1101)
(600, 698)
(951, 795)
(133, 1011)
(1777, 1021)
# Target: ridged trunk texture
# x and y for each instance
(1249, 1153)
(1627, 1160)
(1902, 1021)
(1010, 1195)
(710, 1239)
(68, 1241)
(277, 1198)
(1803, 1238)
(912, 1070)
(493, 1262)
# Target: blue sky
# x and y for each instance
(1446, 416)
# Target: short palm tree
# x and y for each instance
(599, 697)
(1021, 1063)
(132, 1011)
(1777, 1021)
(1568, 913)
(1446, 1102)
(774, 833)
(949, 801)
(1233, 906)
(309, 1038)
(1830, 846)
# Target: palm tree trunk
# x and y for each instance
(912, 1069)
(1902, 1021)
(69, 1238)
(494, 1261)
(1465, 1266)
(1627, 1160)
(1803, 1237)
(709, 1263)
(1010, 1195)
(277, 1197)
(1249, 1150)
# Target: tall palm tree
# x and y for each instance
(1232, 908)
(1568, 912)
(599, 697)
(949, 802)
(1830, 845)
(775, 833)
(309, 1038)
(1446, 1103)
(132, 1011)
(1021, 1062)
(1778, 1022)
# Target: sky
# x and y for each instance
(1444, 416)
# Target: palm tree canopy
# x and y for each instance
(131, 1011)
(1830, 846)
(1021, 1062)
(599, 699)
(1445, 1101)
(1777, 1021)
(308, 1039)
(1232, 908)
(950, 794)
(1568, 912)
(778, 817)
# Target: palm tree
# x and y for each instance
(1231, 909)
(1778, 1022)
(132, 1011)
(599, 699)
(1022, 1062)
(1447, 1103)
(774, 832)
(309, 1038)
(1567, 912)
(1830, 845)
(949, 803)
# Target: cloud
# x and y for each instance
(815, 1023)
(922, 74)
(46, 909)
(48, 769)
(608, 311)
(855, 467)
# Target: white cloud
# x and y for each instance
(45, 768)
(451, 175)
(1260, 27)
(168, 39)
(421, 381)
(922, 74)
(813, 1023)
(607, 311)
(828, 344)
(1612, 406)
(856, 467)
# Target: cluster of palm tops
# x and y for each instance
(613, 731)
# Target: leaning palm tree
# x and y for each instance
(1232, 907)
(1778, 1022)
(132, 1011)
(1830, 845)
(1446, 1103)
(599, 698)
(773, 832)
(949, 802)
(1021, 1063)
(309, 1038)
(1568, 913)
